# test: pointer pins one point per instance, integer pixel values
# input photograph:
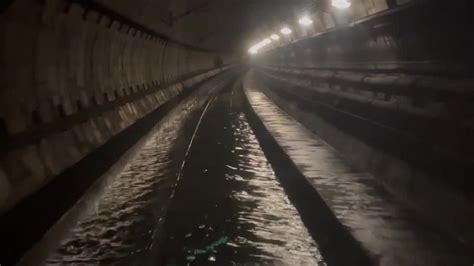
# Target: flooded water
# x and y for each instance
(124, 223)
(216, 201)
(229, 207)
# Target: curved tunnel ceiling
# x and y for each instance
(228, 26)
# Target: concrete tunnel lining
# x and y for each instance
(77, 73)
(88, 73)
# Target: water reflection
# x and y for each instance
(228, 207)
(276, 224)
(122, 226)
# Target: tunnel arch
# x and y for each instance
(75, 74)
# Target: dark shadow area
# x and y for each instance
(5, 4)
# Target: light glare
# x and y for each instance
(254, 49)
(285, 30)
(275, 37)
(305, 21)
(341, 3)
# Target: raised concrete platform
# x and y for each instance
(391, 233)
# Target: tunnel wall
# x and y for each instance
(72, 77)
(390, 88)
(416, 35)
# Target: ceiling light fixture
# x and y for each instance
(254, 49)
(275, 37)
(341, 4)
(285, 30)
(305, 21)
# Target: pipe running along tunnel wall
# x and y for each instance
(74, 74)
(389, 84)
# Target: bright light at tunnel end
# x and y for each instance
(341, 4)
(285, 30)
(305, 21)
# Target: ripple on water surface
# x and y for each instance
(229, 208)
(276, 227)
(122, 225)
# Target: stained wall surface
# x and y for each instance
(72, 77)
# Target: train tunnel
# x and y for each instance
(237, 132)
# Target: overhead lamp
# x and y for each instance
(285, 30)
(342, 4)
(254, 49)
(305, 21)
(275, 37)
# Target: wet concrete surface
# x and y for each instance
(393, 234)
(199, 192)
